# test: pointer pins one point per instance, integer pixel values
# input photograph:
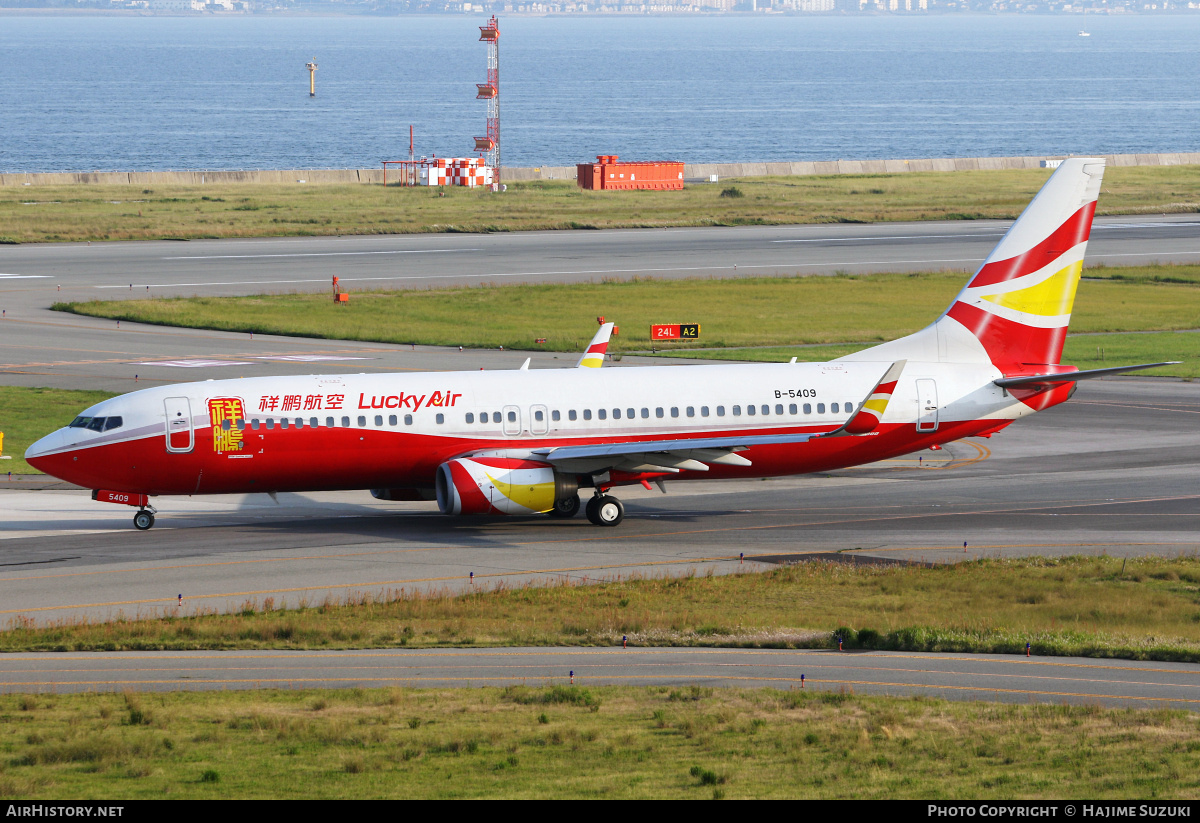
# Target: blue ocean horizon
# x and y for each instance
(158, 93)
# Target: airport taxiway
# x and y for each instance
(1002, 678)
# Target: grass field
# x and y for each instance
(767, 312)
(1098, 607)
(73, 213)
(574, 742)
(29, 414)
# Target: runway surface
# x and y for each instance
(43, 348)
(1000, 678)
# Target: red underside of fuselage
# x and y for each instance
(326, 459)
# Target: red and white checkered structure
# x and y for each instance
(457, 171)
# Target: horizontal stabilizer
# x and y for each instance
(1071, 376)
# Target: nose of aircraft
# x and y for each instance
(49, 444)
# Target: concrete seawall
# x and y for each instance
(691, 171)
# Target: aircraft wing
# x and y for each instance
(593, 355)
(1072, 376)
(663, 455)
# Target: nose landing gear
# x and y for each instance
(144, 519)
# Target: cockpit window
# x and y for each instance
(97, 424)
(114, 423)
(79, 423)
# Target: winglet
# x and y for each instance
(872, 409)
(593, 356)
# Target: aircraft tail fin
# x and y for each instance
(1015, 310)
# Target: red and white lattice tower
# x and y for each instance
(489, 147)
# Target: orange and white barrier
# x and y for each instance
(457, 171)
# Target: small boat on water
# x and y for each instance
(1085, 34)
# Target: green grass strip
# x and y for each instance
(75, 213)
(771, 313)
(584, 742)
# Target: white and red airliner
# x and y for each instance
(524, 442)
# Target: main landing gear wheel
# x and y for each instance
(568, 507)
(605, 510)
(143, 520)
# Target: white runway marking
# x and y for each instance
(192, 364)
(24, 276)
(318, 254)
(305, 358)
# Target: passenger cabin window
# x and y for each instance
(704, 411)
(408, 419)
(602, 414)
(556, 415)
(834, 408)
(226, 425)
(630, 413)
(362, 421)
(441, 418)
(283, 422)
(616, 414)
(512, 417)
(737, 411)
(792, 409)
(766, 409)
(392, 420)
(658, 412)
(379, 420)
(538, 415)
(299, 422)
(254, 423)
(808, 408)
(820, 408)
(691, 411)
(270, 422)
(587, 414)
(314, 422)
(645, 413)
(674, 411)
(750, 410)
(471, 418)
(779, 408)
(345, 422)
(571, 415)
(329, 421)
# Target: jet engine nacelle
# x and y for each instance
(500, 485)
